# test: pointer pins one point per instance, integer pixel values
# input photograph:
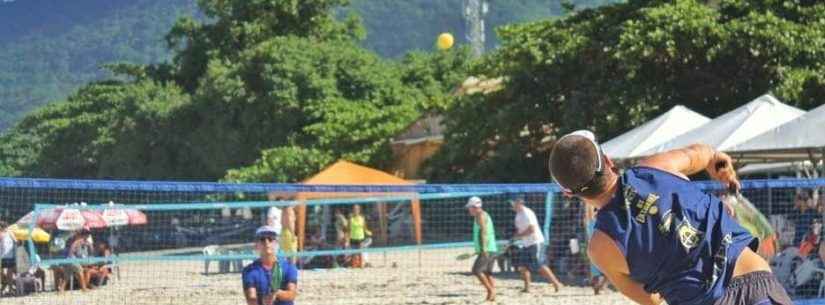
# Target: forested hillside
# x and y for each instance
(48, 48)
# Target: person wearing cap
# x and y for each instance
(659, 237)
(530, 241)
(269, 279)
(484, 240)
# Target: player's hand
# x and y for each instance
(483, 254)
(728, 205)
(721, 169)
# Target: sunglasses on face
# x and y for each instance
(266, 239)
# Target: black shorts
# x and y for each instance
(484, 264)
(527, 257)
(8, 263)
(755, 288)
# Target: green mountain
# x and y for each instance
(43, 61)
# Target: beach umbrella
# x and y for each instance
(64, 218)
(22, 233)
(120, 215)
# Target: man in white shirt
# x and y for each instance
(530, 241)
(273, 218)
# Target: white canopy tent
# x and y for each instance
(736, 126)
(805, 167)
(801, 139)
(676, 121)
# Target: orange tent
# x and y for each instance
(347, 173)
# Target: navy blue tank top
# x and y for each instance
(677, 240)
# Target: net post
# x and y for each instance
(30, 242)
(548, 213)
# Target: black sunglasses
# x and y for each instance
(266, 238)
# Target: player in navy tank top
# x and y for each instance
(658, 237)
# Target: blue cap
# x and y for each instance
(266, 231)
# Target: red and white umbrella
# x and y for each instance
(120, 215)
(64, 218)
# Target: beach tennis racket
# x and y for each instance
(464, 256)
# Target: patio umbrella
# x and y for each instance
(120, 215)
(64, 218)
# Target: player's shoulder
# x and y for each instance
(252, 267)
(648, 172)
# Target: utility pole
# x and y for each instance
(474, 12)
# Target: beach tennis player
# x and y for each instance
(269, 280)
(658, 236)
(484, 240)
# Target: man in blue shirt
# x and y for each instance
(269, 279)
(657, 236)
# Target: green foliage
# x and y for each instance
(234, 26)
(96, 128)
(612, 68)
(283, 164)
(52, 47)
(295, 102)
(332, 99)
(436, 74)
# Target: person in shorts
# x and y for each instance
(531, 242)
(658, 237)
(484, 241)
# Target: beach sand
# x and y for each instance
(426, 277)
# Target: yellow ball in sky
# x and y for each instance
(445, 41)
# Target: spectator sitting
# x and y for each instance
(805, 214)
(316, 243)
(77, 247)
(99, 273)
(7, 255)
(812, 239)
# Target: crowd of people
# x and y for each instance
(351, 232)
(78, 245)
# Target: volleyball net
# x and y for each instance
(185, 242)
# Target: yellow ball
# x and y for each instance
(445, 41)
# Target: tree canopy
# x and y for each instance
(611, 68)
(281, 82)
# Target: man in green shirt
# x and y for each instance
(484, 239)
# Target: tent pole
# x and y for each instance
(770, 198)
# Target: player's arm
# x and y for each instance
(604, 253)
(291, 291)
(693, 159)
(251, 295)
(289, 294)
(530, 229)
